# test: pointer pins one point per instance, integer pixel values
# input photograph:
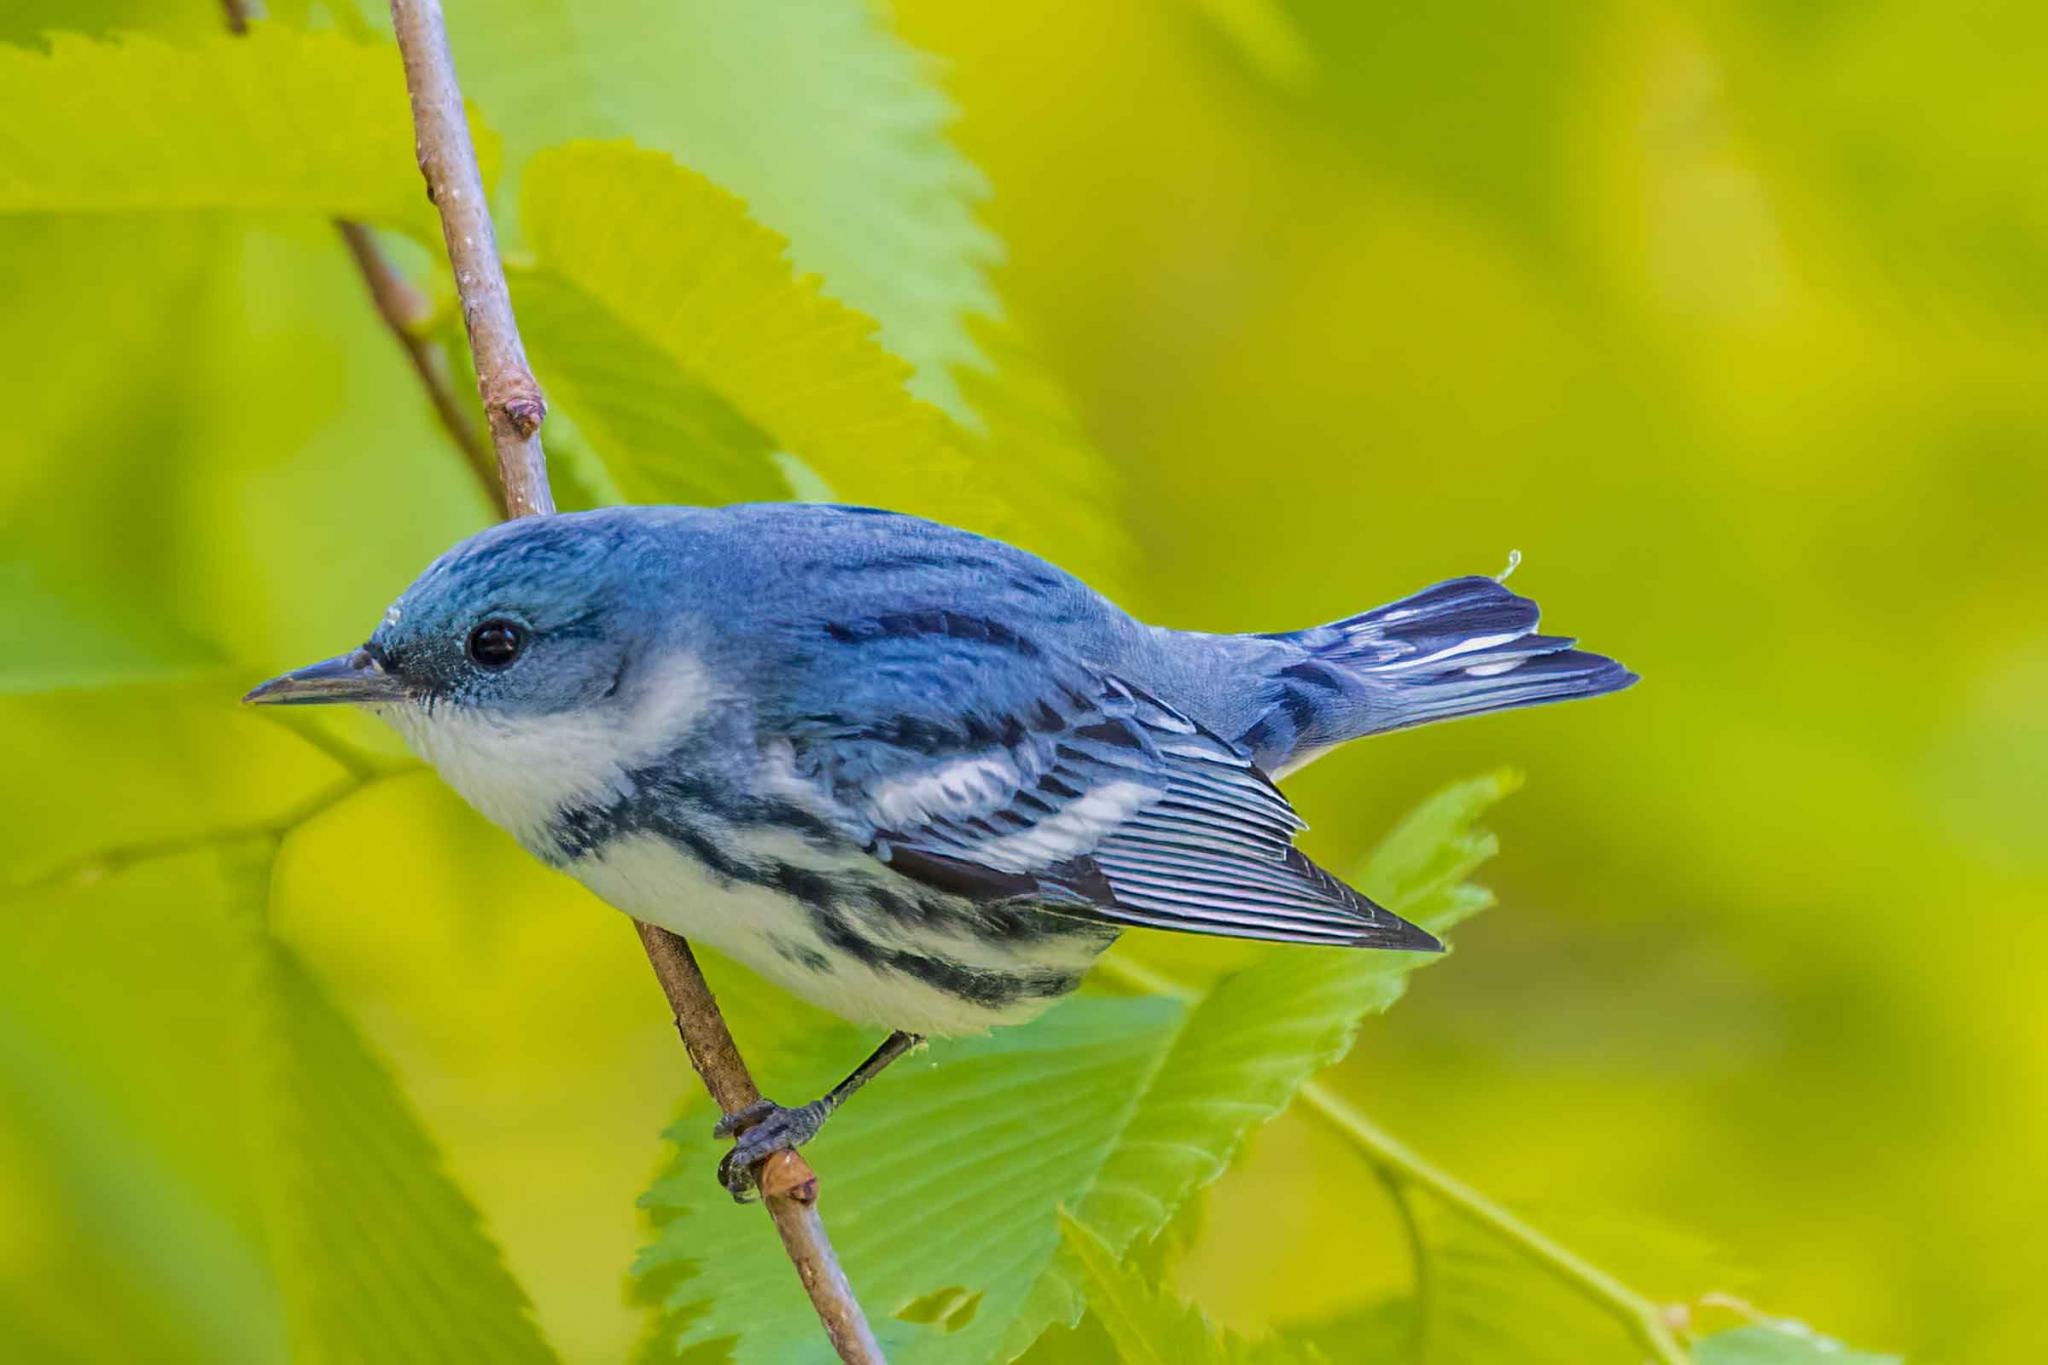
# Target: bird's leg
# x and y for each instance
(765, 1127)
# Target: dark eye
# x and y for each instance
(495, 643)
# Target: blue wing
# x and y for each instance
(978, 761)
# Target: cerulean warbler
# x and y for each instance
(914, 775)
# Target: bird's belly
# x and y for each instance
(847, 934)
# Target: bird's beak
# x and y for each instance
(352, 677)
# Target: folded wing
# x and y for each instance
(1083, 794)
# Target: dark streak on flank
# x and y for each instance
(988, 989)
(801, 954)
(659, 799)
(708, 825)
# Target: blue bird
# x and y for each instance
(911, 774)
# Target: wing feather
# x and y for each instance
(1080, 792)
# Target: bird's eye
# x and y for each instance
(496, 643)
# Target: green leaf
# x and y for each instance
(980, 1138)
(274, 120)
(1058, 497)
(233, 1171)
(829, 127)
(1481, 1299)
(662, 260)
(27, 21)
(382, 1257)
(1382, 1330)
(125, 1002)
(1122, 1140)
(1420, 868)
(147, 767)
(833, 132)
(668, 437)
(1149, 1327)
(1260, 1033)
(1780, 1342)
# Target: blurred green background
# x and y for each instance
(1732, 318)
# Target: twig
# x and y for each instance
(1643, 1319)
(788, 1185)
(407, 314)
(102, 863)
(512, 401)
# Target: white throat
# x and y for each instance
(520, 770)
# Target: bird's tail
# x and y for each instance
(1461, 648)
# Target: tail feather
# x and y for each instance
(1458, 614)
(1463, 647)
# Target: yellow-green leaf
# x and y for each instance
(275, 120)
(831, 129)
(1780, 1341)
(1118, 1109)
(1151, 1328)
(675, 262)
(222, 1165)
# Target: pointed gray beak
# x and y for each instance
(352, 677)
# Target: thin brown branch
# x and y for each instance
(788, 1185)
(407, 313)
(512, 399)
(513, 404)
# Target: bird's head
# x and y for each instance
(548, 652)
(530, 618)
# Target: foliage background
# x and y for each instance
(1731, 317)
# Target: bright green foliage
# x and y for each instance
(1058, 497)
(1257, 1035)
(380, 1257)
(676, 263)
(254, 1181)
(1420, 868)
(171, 765)
(277, 120)
(1730, 315)
(663, 434)
(1129, 1145)
(1780, 1342)
(833, 133)
(1481, 1299)
(1381, 1330)
(978, 1142)
(811, 111)
(669, 325)
(25, 21)
(127, 1111)
(1150, 1328)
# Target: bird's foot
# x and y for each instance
(762, 1129)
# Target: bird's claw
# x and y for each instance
(737, 1122)
(762, 1129)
